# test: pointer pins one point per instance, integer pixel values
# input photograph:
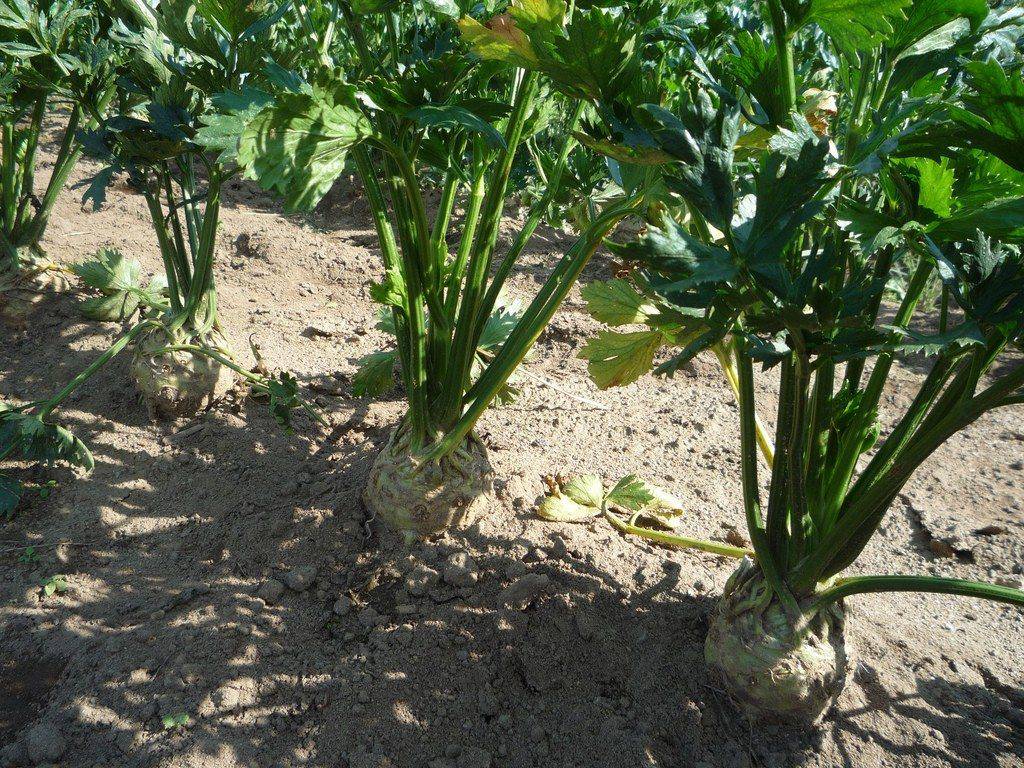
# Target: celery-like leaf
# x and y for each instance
(617, 359)
(376, 374)
(562, 509)
(298, 147)
(675, 251)
(27, 436)
(119, 282)
(926, 19)
(585, 489)
(616, 302)
(450, 115)
(858, 24)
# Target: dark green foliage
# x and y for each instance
(419, 100)
(31, 439)
(786, 253)
(25, 436)
(50, 53)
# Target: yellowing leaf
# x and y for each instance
(562, 509)
(617, 359)
(499, 40)
(586, 490)
(664, 510)
(543, 12)
(623, 153)
(575, 501)
(617, 302)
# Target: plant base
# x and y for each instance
(774, 670)
(22, 289)
(422, 500)
(180, 383)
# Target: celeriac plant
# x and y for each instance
(48, 60)
(187, 69)
(403, 98)
(784, 256)
(188, 65)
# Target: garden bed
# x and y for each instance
(223, 570)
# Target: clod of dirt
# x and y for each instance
(230, 697)
(991, 530)
(316, 330)
(461, 570)
(342, 606)
(369, 617)
(270, 591)
(1012, 581)
(421, 579)
(941, 548)
(252, 246)
(520, 594)
(44, 743)
(300, 578)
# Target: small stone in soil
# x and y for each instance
(301, 577)
(421, 579)
(44, 743)
(520, 594)
(270, 591)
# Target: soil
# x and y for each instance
(223, 570)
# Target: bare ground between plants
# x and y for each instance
(512, 643)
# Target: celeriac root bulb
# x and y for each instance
(776, 672)
(22, 291)
(422, 500)
(179, 383)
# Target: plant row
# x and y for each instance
(815, 188)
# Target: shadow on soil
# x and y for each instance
(175, 560)
(967, 724)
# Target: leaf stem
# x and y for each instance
(858, 585)
(529, 327)
(663, 537)
(784, 50)
(751, 495)
(533, 220)
(98, 363)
